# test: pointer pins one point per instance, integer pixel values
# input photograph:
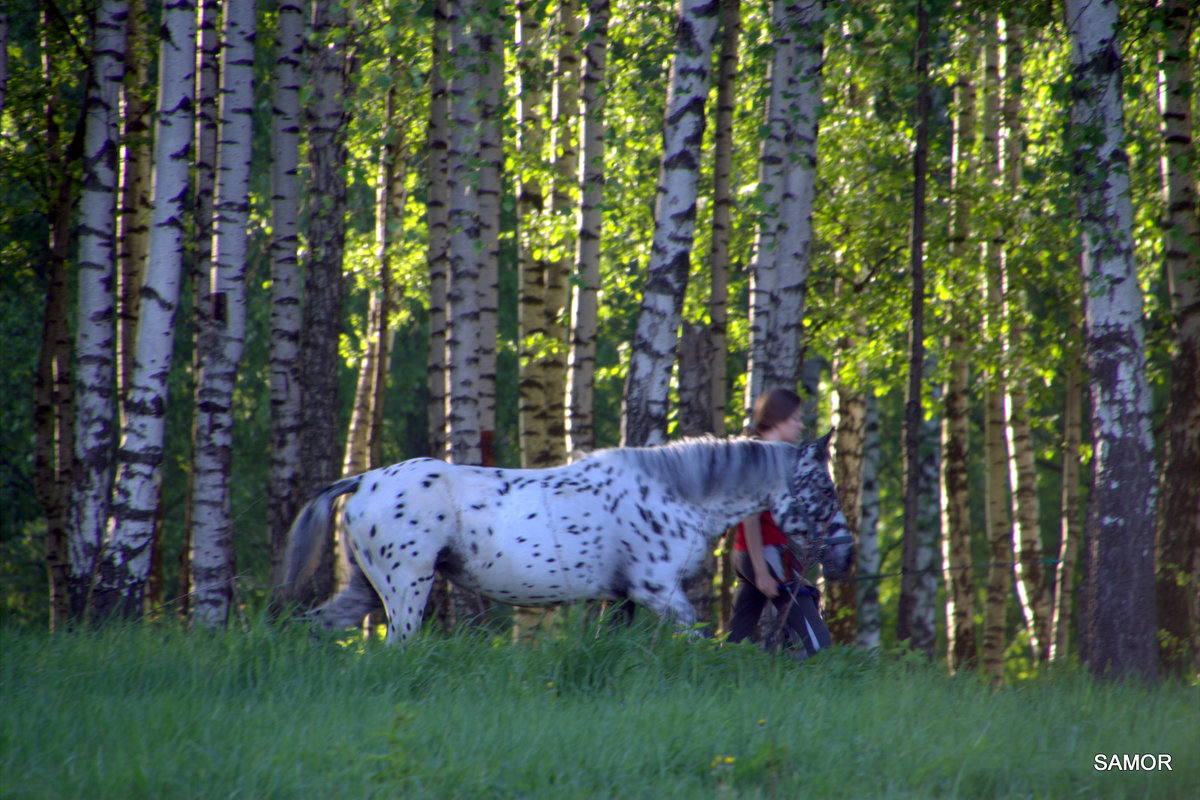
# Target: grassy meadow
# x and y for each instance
(153, 711)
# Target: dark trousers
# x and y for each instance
(804, 623)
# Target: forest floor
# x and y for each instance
(154, 711)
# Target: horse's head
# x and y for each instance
(810, 515)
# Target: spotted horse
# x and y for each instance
(622, 523)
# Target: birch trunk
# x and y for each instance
(283, 489)
(134, 166)
(547, 445)
(906, 627)
(722, 221)
(361, 441)
(208, 89)
(850, 421)
(213, 561)
(437, 222)
(1071, 520)
(125, 563)
(581, 359)
(327, 121)
(54, 442)
(373, 362)
(644, 412)
(532, 317)
(1121, 589)
(870, 618)
(787, 175)
(55, 438)
(1033, 588)
(995, 450)
(928, 563)
(1178, 532)
(956, 522)
(564, 143)
(95, 335)
(471, 299)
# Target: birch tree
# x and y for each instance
(722, 219)
(54, 421)
(1070, 518)
(212, 558)
(283, 489)
(471, 291)
(928, 563)
(95, 338)
(53, 418)
(907, 623)
(134, 167)
(870, 618)
(1033, 590)
(581, 356)
(125, 561)
(438, 225)
(1120, 593)
(202, 273)
(956, 522)
(327, 120)
(532, 247)
(1178, 532)
(564, 144)
(787, 177)
(644, 411)
(849, 420)
(362, 445)
(995, 446)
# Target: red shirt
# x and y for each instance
(771, 535)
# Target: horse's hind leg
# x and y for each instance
(404, 593)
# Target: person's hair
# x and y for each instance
(773, 407)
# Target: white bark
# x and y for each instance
(1121, 594)
(532, 247)
(644, 412)
(135, 168)
(437, 222)
(286, 290)
(127, 546)
(474, 205)
(722, 219)
(869, 613)
(95, 337)
(787, 179)
(955, 484)
(581, 359)
(929, 516)
(212, 558)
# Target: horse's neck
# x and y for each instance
(726, 510)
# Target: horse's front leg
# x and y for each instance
(667, 600)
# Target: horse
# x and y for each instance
(623, 523)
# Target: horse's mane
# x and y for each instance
(696, 469)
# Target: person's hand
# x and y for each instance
(767, 585)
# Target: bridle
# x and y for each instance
(817, 545)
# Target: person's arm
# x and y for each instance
(764, 581)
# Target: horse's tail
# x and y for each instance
(307, 535)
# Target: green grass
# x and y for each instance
(153, 711)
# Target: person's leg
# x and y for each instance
(804, 618)
(748, 601)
